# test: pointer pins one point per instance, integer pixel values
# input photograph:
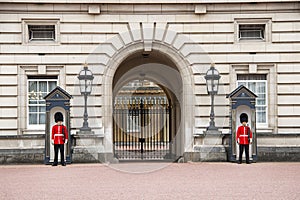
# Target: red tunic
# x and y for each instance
(59, 133)
(242, 134)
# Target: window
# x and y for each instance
(38, 88)
(257, 84)
(251, 31)
(41, 32)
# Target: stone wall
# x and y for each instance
(198, 33)
(22, 149)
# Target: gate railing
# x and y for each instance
(141, 128)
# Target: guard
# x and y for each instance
(244, 137)
(59, 138)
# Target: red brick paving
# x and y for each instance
(173, 181)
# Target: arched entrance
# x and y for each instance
(163, 65)
(147, 94)
(144, 44)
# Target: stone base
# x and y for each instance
(15, 149)
(22, 156)
(278, 154)
(208, 147)
(206, 153)
(92, 155)
(84, 155)
(107, 158)
(88, 148)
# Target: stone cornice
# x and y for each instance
(145, 1)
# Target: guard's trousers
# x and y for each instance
(242, 147)
(61, 148)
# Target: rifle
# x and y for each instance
(63, 132)
(248, 134)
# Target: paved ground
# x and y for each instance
(151, 181)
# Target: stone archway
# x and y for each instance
(164, 104)
(185, 136)
(174, 48)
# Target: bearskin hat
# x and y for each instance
(58, 117)
(244, 118)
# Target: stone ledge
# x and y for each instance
(88, 140)
(22, 141)
(142, 1)
(24, 136)
(90, 135)
(278, 135)
(19, 151)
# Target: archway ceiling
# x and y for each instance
(140, 58)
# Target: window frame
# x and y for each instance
(267, 31)
(261, 30)
(266, 105)
(42, 22)
(38, 79)
(32, 30)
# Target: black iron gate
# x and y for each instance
(141, 128)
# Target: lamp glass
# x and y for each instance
(85, 79)
(212, 80)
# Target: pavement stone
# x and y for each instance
(152, 181)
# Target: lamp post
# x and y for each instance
(85, 80)
(212, 82)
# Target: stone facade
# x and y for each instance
(111, 36)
